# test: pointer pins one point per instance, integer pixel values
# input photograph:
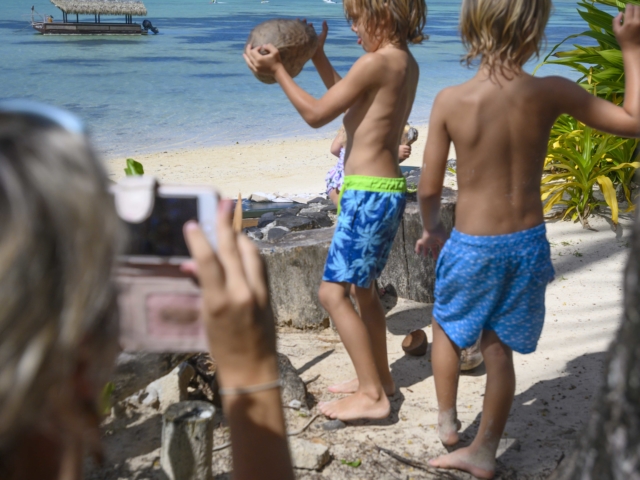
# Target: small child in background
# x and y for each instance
(492, 273)
(335, 176)
(378, 92)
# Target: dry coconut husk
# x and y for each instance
(416, 343)
(471, 357)
(295, 40)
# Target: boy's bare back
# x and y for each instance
(375, 122)
(500, 128)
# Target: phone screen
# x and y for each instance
(161, 234)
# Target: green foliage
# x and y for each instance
(354, 464)
(579, 157)
(133, 168)
(105, 398)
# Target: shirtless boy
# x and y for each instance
(378, 93)
(493, 271)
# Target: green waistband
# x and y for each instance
(375, 184)
(372, 184)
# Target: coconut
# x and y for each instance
(416, 343)
(295, 40)
(471, 357)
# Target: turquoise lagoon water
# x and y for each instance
(189, 87)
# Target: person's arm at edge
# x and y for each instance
(337, 144)
(432, 178)
(596, 112)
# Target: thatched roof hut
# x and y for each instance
(102, 7)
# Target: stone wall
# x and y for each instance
(296, 263)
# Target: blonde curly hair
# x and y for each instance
(395, 20)
(504, 33)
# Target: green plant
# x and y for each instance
(354, 464)
(106, 398)
(579, 157)
(133, 168)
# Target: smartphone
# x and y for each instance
(160, 305)
(159, 236)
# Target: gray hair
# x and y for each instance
(59, 235)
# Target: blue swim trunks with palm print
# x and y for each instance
(369, 215)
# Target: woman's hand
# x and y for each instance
(236, 309)
(264, 59)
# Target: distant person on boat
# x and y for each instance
(378, 92)
(335, 176)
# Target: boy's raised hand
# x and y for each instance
(626, 27)
(263, 59)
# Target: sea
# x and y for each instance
(188, 86)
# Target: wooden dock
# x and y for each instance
(72, 28)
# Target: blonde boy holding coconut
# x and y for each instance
(378, 93)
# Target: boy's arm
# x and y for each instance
(432, 178)
(599, 113)
(364, 74)
(320, 60)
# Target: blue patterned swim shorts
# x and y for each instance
(494, 283)
(369, 215)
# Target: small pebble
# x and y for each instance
(334, 425)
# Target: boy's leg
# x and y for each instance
(374, 318)
(445, 361)
(479, 458)
(369, 400)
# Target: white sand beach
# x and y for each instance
(556, 385)
(296, 165)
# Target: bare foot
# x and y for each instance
(479, 464)
(357, 406)
(448, 427)
(351, 386)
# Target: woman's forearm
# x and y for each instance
(258, 433)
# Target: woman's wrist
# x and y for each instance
(247, 373)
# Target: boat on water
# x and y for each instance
(97, 8)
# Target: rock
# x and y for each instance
(308, 455)
(293, 388)
(254, 232)
(416, 343)
(134, 371)
(172, 388)
(320, 218)
(295, 266)
(296, 224)
(412, 276)
(187, 441)
(274, 234)
(150, 398)
(412, 173)
(288, 212)
(332, 425)
(260, 197)
(316, 200)
(266, 219)
(330, 208)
